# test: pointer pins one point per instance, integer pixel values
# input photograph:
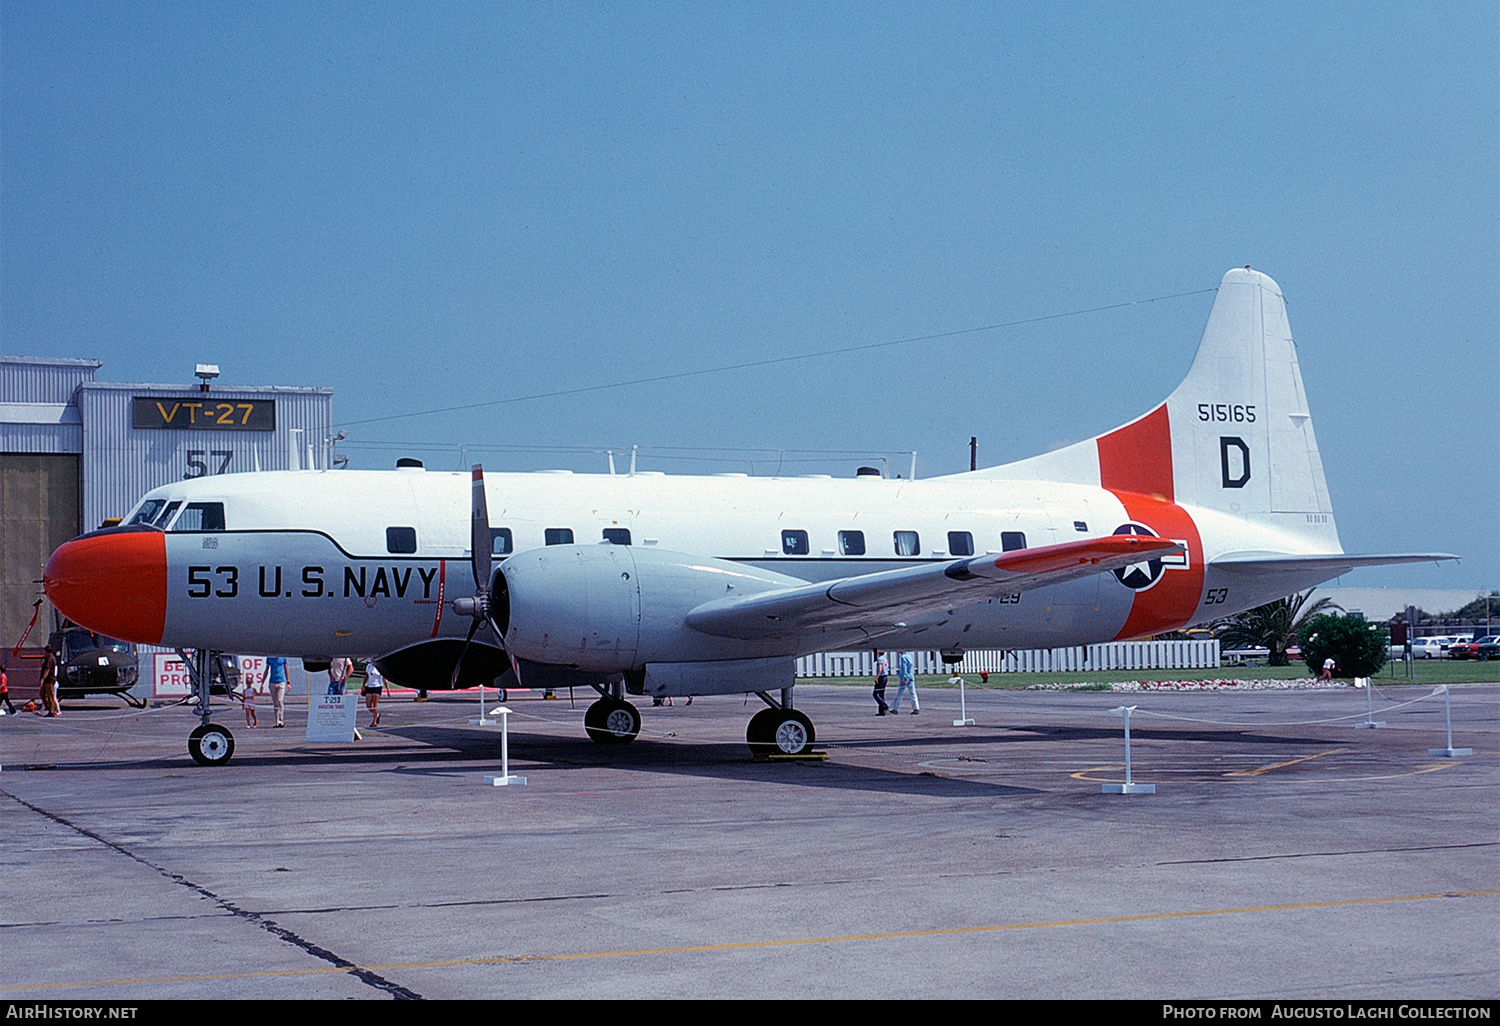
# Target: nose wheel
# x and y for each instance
(612, 721)
(211, 745)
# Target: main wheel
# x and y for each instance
(759, 730)
(211, 745)
(780, 732)
(611, 721)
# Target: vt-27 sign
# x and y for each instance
(203, 414)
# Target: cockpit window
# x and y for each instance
(200, 516)
(147, 513)
(166, 515)
(76, 641)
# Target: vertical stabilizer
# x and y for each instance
(1242, 435)
(1236, 436)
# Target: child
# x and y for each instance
(247, 698)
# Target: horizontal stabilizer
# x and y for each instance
(881, 602)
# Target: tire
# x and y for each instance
(211, 745)
(759, 730)
(780, 732)
(611, 721)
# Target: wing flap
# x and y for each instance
(880, 602)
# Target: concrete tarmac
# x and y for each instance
(1285, 854)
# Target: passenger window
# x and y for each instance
(1080, 525)
(907, 543)
(201, 516)
(501, 543)
(559, 536)
(148, 511)
(401, 540)
(852, 543)
(1012, 540)
(960, 543)
(794, 543)
(617, 535)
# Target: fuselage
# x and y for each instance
(365, 563)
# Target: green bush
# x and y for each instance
(1359, 648)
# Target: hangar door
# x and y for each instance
(39, 510)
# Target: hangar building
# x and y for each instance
(76, 453)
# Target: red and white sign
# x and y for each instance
(169, 677)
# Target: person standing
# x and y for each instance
(882, 675)
(49, 682)
(247, 699)
(5, 692)
(908, 677)
(276, 678)
(339, 669)
(374, 686)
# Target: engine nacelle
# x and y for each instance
(616, 608)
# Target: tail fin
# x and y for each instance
(1236, 436)
(1243, 437)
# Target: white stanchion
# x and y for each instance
(1450, 751)
(482, 722)
(963, 711)
(505, 778)
(1130, 786)
(1370, 721)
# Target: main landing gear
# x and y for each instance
(779, 729)
(776, 730)
(612, 720)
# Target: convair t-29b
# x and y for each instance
(1213, 502)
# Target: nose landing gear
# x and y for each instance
(211, 744)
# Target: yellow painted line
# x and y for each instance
(1281, 765)
(752, 945)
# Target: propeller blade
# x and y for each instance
(480, 543)
(459, 665)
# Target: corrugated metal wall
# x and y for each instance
(38, 379)
(36, 403)
(122, 462)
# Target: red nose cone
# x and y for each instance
(113, 582)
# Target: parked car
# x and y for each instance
(1430, 648)
(1469, 649)
(1489, 648)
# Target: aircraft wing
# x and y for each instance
(1331, 566)
(884, 601)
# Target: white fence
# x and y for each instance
(1116, 655)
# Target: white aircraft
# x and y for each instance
(644, 584)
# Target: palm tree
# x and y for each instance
(1273, 626)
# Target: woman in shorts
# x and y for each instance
(374, 685)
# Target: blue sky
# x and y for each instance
(431, 206)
